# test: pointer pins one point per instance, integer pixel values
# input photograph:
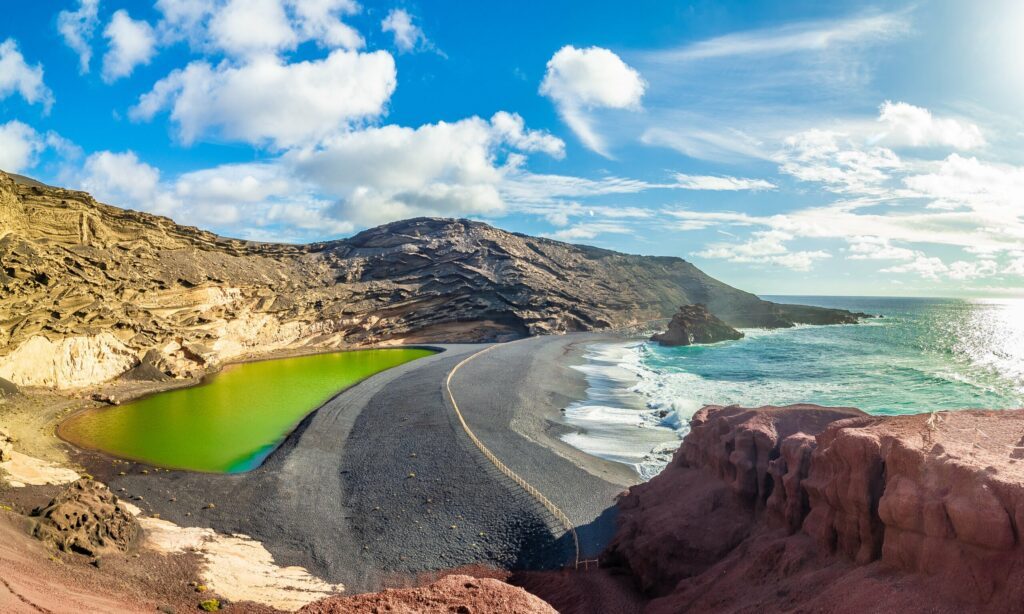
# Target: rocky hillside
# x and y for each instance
(89, 291)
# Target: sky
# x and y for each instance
(791, 147)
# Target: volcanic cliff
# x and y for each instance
(89, 292)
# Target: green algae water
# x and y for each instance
(235, 419)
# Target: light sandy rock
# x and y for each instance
(238, 567)
(23, 470)
(71, 362)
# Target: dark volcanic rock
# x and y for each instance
(86, 518)
(695, 324)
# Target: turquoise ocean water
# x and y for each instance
(921, 355)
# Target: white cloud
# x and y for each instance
(131, 43)
(831, 158)
(721, 183)
(723, 145)
(19, 146)
(17, 76)
(77, 27)
(245, 27)
(581, 80)
(928, 267)
(320, 20)
(879, 248)
(256, 201)
(511, 128)
(391, 172)
(792, 38)
(270, 102)
(914, 126)
(765, 247)
(122, 179)
(588, 230)
(407, 35)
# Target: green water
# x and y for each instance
(235, 419)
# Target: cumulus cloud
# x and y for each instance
(407, 35)
(721, 183)
(912, 126)
(321, 20)
(582, 80)
(16, 76)
(19, 146)
(77, 28)
(386, 173)
(131, 43)
(122, 179)
(270, 102)
(245, 28)
(511, 128)
(254, 201)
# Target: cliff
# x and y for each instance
(89, 291)
(831, 510)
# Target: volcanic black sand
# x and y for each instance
(382, 482)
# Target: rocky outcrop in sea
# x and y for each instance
(695, 324)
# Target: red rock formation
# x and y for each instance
(821, 509)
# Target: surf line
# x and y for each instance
(502, 467)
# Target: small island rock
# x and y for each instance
(695, 324)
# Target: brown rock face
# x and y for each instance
(823, 509)
(695, 324)
(6, 446)
(82, 283)
(86, 518)
(457, 594)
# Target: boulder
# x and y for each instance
(695, 324)
(86, 518)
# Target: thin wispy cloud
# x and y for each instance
(791, 38)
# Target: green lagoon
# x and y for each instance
(235, 419)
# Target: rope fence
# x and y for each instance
(502, 467)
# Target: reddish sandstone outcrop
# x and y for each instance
(463, 594)
(831, 510)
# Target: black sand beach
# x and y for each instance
(382, 482)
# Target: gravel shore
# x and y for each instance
(382, 482)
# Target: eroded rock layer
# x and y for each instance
(89, 291)
(828, 509)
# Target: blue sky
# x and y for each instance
(798, 147)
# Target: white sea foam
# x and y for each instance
(615, 421)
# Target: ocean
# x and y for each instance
(922, 355)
